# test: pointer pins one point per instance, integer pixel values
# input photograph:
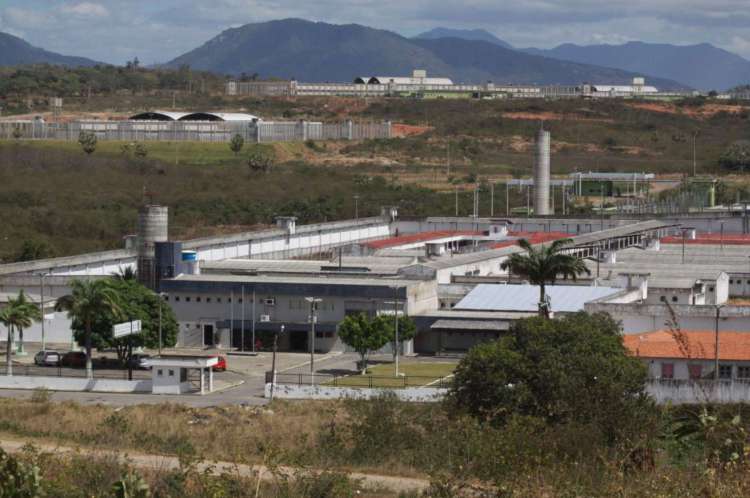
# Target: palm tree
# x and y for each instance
(124, 273)
(545, 265)
(86, 301)
(27, 313)
(19, 314)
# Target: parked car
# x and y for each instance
(222, 365)
(47, 358)
(73, 359)
(136, 361)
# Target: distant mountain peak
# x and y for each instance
(463, 34)
(15, 51)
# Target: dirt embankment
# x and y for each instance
(553, 116)
(705, 111)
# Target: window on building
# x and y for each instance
(725, 371)
(667, 370)
(160, 373)
(674, 299)
(187, 299)
(663, 299)
(177, 298)
(710, 289)
(743, 372)
(197, 299)
(208, 299)
(166, 297)
(171, 373)
(695, 371)
(218, 299)
(731, 281)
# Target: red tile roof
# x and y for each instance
(710, 239)
(533, 237)
(417, 237)
(689, 344)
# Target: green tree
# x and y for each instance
(19, 314)
(32, 249)
(261, 158)
(125, 273)
(17, 479)
(365, 334)
(87, 141)
(573, 369)
(236, 144)
(736, 156)
(88, 301)
(135, 302)
(545, 265)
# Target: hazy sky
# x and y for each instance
(158, 30)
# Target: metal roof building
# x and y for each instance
(563, 298)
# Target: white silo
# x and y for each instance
(152, 228)
(542, 174)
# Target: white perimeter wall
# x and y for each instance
(414, 394)
(72, 384)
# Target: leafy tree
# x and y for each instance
(32, 249)
(261, 159)
(88, 301)
(236, 144)
(135, 302)
(365, 334)
(19, 314)
(17, 479)
(545, 265)
(570, 369)
(87, 140)
(737, 156)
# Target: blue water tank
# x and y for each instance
(189, 256)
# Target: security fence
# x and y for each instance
(196, 131)
(356, 380)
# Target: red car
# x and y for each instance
(73, 359)
(222, 365)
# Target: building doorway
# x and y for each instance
(298, 341)
(209, 339)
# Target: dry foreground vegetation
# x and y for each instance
(310, 449)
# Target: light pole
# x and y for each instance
(313, 318)
(162, 295)
(273, 360)
(356, 207)
(716, 345)
(41, 307)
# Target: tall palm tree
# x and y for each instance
(124, 273)
(19, 314)
(87, 300)
(27, 313)
(545, 265)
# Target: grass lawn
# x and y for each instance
(413, 374)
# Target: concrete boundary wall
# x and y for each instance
(195, 131)
(412, 394)
(678, 392)
(75, 384)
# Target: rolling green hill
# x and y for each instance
(15, 51)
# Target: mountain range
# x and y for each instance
(319, 52)
(700, 66)
(15, 51)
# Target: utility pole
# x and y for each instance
(313, 318)
(456, 201)
(695, 136)
(448, 162)
(242, 317)
(395, 314)
(273, 359)
(356, 207)
(716, 345)
(41, 308)
(161, 303)
(492, 199)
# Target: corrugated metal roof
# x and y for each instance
(471, 325)
(564, 298)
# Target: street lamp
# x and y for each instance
(395, 326)
(41, 307)
(273, 360)
(313, 318)
(162, 295)
(716, 345)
